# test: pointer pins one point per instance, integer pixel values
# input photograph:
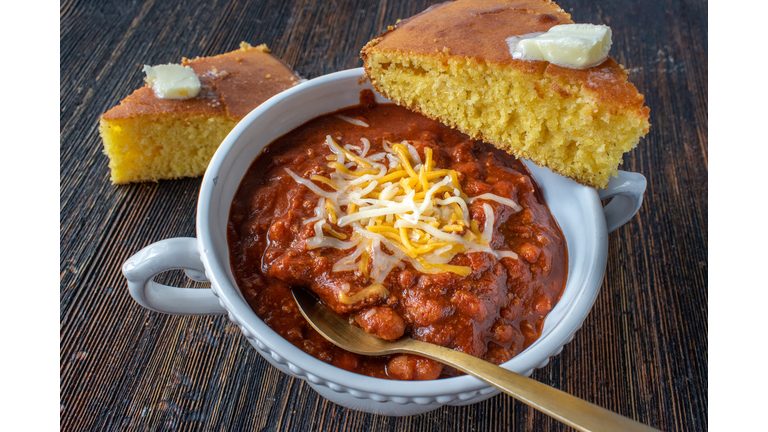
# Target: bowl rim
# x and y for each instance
(316, 370)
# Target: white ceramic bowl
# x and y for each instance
(577, 209)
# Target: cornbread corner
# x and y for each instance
(148, 138)
(451, 63)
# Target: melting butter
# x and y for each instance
(575, 46)
(172, 81)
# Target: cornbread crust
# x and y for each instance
(148, 138)
(452, 63)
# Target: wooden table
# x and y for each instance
(641, 352)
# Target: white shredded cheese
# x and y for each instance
(351, 120)
(398, 200)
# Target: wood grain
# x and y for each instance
(641, 352)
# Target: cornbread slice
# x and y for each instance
(452, 63)
(148, 138)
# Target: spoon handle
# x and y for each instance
(575, 412)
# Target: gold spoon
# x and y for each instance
(570, 410)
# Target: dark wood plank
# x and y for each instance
(641, 352)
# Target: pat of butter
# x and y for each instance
(576, 46)
(172, 81)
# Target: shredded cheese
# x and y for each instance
(351, 120)
(394, 199)
(374, 290)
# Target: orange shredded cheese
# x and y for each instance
(394, 199)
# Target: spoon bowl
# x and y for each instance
(569, 409)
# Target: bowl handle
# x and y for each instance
(170, 254)
(627, 192)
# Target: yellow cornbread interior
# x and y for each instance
(545, 119)
(163, 146)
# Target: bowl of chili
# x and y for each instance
(577, 209)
